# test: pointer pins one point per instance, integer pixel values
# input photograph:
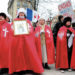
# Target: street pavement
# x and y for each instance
(53, 71)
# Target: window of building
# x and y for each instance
(18, 4)
(25, 5)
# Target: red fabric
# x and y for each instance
(61, 49)
(23, 55)
(73, 54)
(4, 44)
(49, 44)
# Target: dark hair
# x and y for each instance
(3, 15)
(60, 17)
(67, 19)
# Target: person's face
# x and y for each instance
(42, 22)
(1, 18)
(62, 19)
(21, 15)
(68, 23)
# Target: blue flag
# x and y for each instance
(29, 14)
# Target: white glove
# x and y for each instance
(68, 34)
(37, 34)
(70, 41)
(42, 31)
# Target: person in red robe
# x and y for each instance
(73, 54)
(5, 37)
(44, 43)
(23, 54)
(64, 50)
(8, 18)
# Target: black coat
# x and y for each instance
(56, 28)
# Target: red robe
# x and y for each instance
(23, 55)
(61, 49)
(49, 44)
(5, 38)
(73, 54)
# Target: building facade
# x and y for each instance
(14, 5)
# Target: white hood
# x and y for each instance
(43, 17)
(21, 10)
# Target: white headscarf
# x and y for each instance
(42, 17)
(21, 10)
(45, 17)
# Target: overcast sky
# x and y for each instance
(43, 6)
(50, 7)
(3, 5)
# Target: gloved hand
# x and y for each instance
(70, 41)
(42, 31)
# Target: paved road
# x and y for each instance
(53, 71)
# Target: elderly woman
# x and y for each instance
(5, 37)
(23, 54)
(44, 43)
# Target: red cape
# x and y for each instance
(23, 55)
(4, 44)
(49, 44)
(61, 49)
(73, 54)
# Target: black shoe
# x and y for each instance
(18, 73)
(43, 65)
(0, 71)
(46, 66)
(4, 71)
(37, 74)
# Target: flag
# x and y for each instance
(29, 14)
(35, 16)
(32, 15)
